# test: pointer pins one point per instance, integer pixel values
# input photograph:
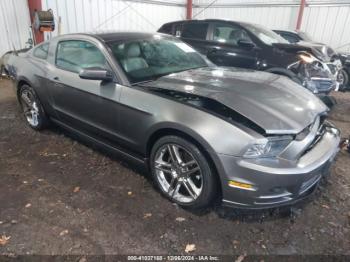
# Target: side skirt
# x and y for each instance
(117, 151)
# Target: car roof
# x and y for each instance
(204, 20)
(112, 36)
(285, 30)
(119, 36)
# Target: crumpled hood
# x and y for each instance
(312, 48)
(275, 103)
(292, 47)
(326, 51)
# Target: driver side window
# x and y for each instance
(229, 34)
(75, 55)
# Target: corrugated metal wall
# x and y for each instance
(326, 21)
(91, 15)
(329, 24)
(14, 24)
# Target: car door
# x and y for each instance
(231, 45)
(91, 106)
(195, 34)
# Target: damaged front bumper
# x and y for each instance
(277, 182)
(318, 85)
(317, 76)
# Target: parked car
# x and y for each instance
(6, 71)
(345, 59)
(337, 63)
(229, 43)
(3, 62)
(252, 138)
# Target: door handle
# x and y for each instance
(56, 78)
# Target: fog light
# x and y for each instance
(240, 185)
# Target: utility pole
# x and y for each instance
(300, 15)
(189, 8)
(35, 5)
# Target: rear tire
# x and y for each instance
(182, 173)
(32, 108)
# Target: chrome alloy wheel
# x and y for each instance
(30, 108)
(341, 78)
(178, 173)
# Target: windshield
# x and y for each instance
(148, 59)
(266, 35)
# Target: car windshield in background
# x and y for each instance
(305, 36)
(267, 36)
(148, 59)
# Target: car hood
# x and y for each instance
(317, 49)
(327, 51)
(291, 47)
(275, 103)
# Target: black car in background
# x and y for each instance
(302, 38)
(238, 44)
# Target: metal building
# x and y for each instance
(326, 21)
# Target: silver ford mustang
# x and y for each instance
(254, 139)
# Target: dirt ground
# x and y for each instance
(59, 196)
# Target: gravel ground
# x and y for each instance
(59, 196)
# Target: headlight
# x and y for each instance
(308, 59)
(271, 147)
(311, 85)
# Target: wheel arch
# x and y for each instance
(196, 140)
(21, 82)
(282, 71)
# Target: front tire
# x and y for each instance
(182, 172)
(32, 108)
(343, 78)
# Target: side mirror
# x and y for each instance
(246, 44)
(94, 73)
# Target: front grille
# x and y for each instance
(324, 85)
(320, 132)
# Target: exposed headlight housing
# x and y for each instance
(307, 58)
(311, 85)
(270, 147)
